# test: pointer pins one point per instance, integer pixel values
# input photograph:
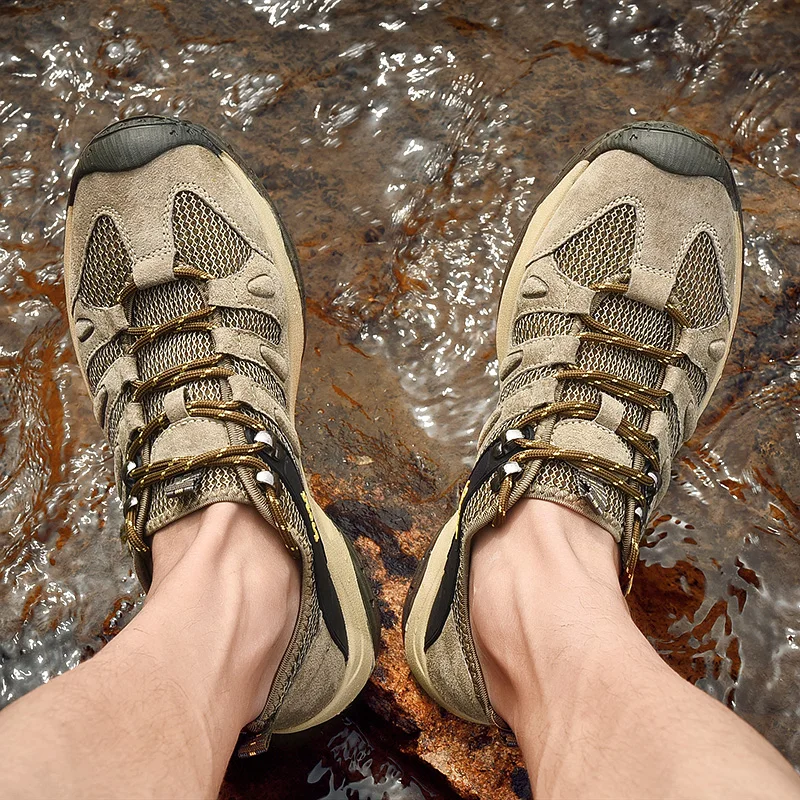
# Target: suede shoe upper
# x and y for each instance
(186, 311)
(617, 312)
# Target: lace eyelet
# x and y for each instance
(130, 466)
(269, 446)
(499, 449)
(641, 513)
(266, 476)
(265, 438)
(509, 468)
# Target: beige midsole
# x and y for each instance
(417, 622)
(361, 658)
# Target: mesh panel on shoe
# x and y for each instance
(541, 323)
(155, 306)
(248, 319)
(115, 414)
(260, 375)
(102, 359)
(107, 266)
(602, 250)
(219, 480)
(153, 405)
(565, 479)
(481, 504)
(166, 301)
(577, 391)
(615, 361)
(204, 239)
(202, 390)
(619, 361)
(642, 322)
(173, 350)
(526, 379)
(698, 289)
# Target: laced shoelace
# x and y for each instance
(139, 477)
(632, 482)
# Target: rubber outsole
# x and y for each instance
(672, 148)
(134, 142)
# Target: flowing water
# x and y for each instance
(405, 144)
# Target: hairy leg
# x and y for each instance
(596, 711)
(157, 712)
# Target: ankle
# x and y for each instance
(539, 585)
(207, 539)
(225, 570)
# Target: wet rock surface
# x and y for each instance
(405, 145)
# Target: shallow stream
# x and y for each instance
(405, 144)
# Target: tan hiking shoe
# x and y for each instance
(186, 309)
(616, 316)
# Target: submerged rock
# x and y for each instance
(405, 145)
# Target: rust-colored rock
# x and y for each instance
(405, 145)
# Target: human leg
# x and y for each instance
(596, 711)
(185, 303)
(158, 711)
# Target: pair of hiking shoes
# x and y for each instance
(186, 308)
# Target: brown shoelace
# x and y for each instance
(633, 483)
(140, 477)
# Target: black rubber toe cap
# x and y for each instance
(135, 142)
(672, 148)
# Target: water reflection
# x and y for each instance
(406, 144)
(350, 770)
